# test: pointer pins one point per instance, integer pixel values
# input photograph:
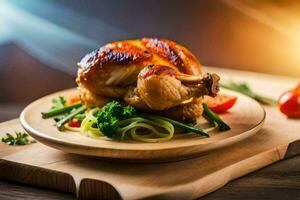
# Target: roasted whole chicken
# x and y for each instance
(151, 74)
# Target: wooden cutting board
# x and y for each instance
(91, 178)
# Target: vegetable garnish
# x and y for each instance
(109, 118)
(69, 117)
(213, 117)
(117, 121)
(221, 103)
(150, 132)
(61, 110)
(58, 103)
(73, 100)
(20, 139)
(114, 116)
(289, 103)
(74, 123)
(184, 127)
(245, 89)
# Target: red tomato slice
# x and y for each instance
(74, 123)
(221, 103)
(289, 103)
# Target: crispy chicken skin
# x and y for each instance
(161, 87)
(150, 74)
(186, 112)
(116, 65)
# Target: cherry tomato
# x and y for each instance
(289, 103)
(74, 123)
(73, 100)
(221, 103)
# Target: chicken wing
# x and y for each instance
(162, 87)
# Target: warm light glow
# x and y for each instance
(284, 20)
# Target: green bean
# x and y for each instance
(177, 124)
(68, 118)
(59, 111)
(214, 117)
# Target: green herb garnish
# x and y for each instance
(243, 88)
(110, 116)
(20, 139)
(58, 103)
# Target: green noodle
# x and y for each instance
(136, 128)
(133, 124)
(87, 128)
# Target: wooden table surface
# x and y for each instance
(278, 181)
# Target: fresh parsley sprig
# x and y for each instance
(19, 139)
(58, 103)
(242, 87)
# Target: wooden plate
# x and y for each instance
(245, 119)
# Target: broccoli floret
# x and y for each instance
(113, 107)
(107, 124)
(110, 116)
(128, 112)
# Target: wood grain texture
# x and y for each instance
(38, 176)
(17, 191)
(279, 181)
(187, 179)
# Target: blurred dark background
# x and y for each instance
(42, 40)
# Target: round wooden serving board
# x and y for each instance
(245, 119)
